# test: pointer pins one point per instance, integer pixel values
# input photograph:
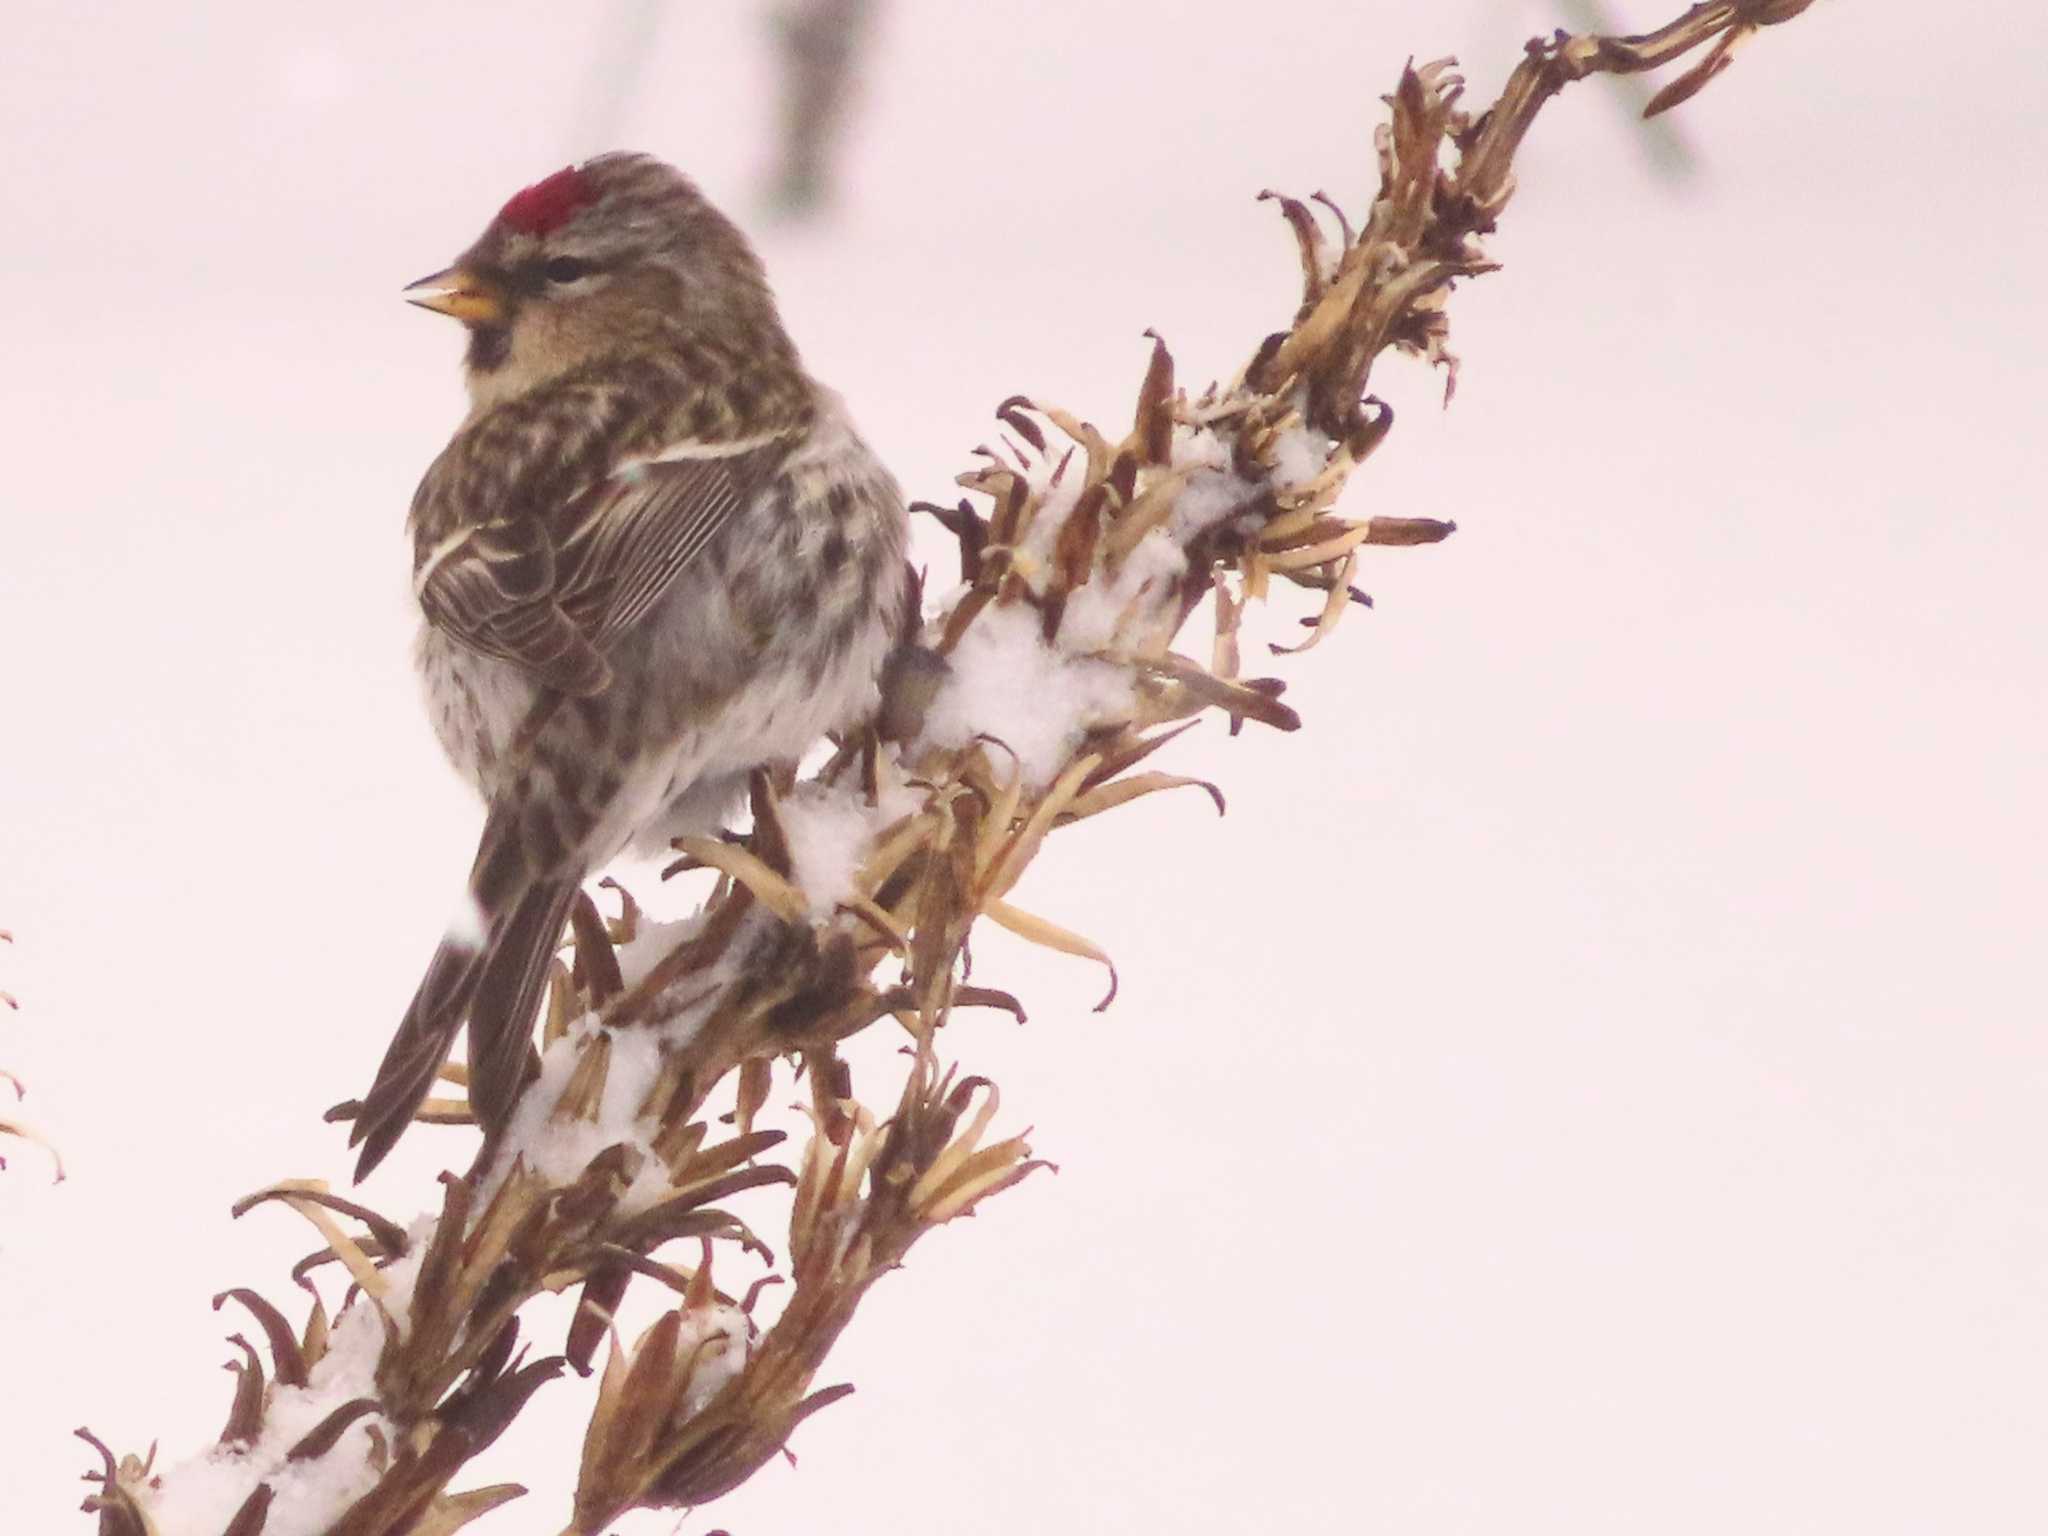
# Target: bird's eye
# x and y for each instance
(565, 269)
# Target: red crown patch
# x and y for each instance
(547, 204)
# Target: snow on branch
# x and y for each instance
(1047, 681)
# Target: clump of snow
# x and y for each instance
(1299, 454)
(401, 1274)
(198, 1497)
(831, 829)
(1006, 682)
(718, 1338)
(1096, 613)
(1055, 502)
(1199, 448)
(1209, 497)
(828, 835)
(560, 1150)
(202, 1493)
(652, 941)
(1040, 700)
(309, 1495)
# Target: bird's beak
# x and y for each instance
(460, 293)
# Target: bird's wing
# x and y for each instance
(553, 592)
(492, 586)
(621, 543)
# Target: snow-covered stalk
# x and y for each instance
(1047, 681)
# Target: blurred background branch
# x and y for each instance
(822, 43)
(12, 1124)
(1662, 139)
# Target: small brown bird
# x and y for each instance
(654, 556)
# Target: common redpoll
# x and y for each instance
(654, 557)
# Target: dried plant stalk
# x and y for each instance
(1046, 683)
(13, 1125)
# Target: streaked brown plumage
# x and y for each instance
(654, 556)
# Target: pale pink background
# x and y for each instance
(1594, 1079)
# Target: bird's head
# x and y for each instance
(617, 256)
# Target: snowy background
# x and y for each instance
(1657, 1141)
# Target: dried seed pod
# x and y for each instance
(1154, 428)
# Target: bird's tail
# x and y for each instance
(507, 997)
(493, 974)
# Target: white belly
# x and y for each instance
(475, 704)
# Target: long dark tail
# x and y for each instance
(507, 997)
(497, 984)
